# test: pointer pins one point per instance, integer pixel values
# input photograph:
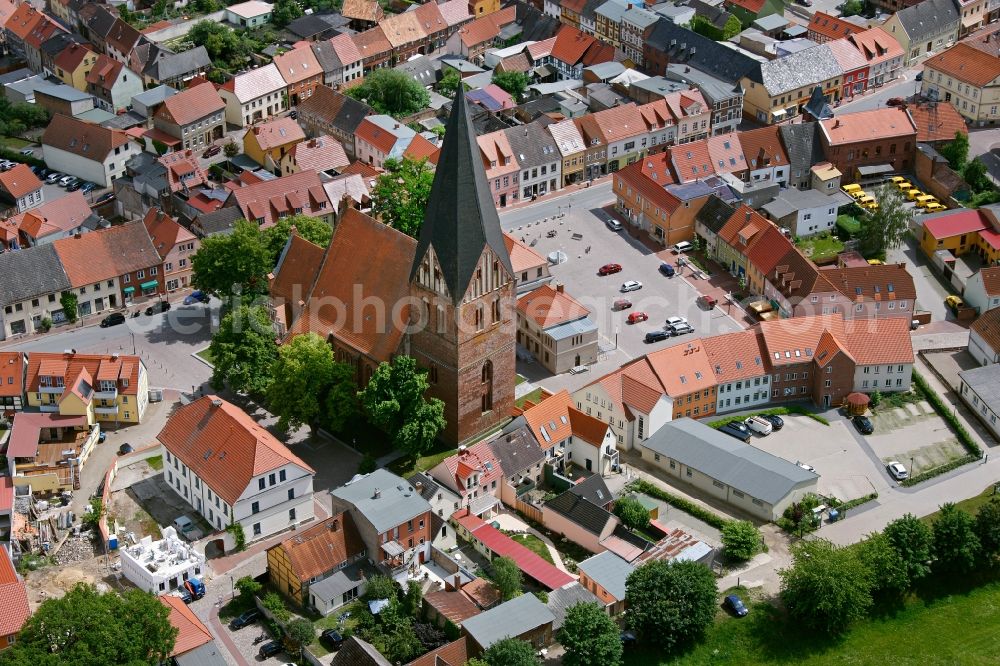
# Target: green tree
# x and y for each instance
(732, 28)
(507, 576)
(956, 151)
(883, 229)
(394, 401)
(475, 661)
(413, 599)
(381, 587)
(590, 637)
(392, 634)
(367, 465)
(301, 632)
(741, 540)
(87, 628)
(92, 518)
(231, 149)
(827, 587)
(514, 83)
(68, 301)
(511, 652)
(448, 85)
(248, 589)
(341, 399)
(243, 351)
(233, 263)
(852, 8)
(392, 92)
(912, 540)
(988, 528)
(284, 12)
(670, 603)
(890, 579)
(632, 513)
(956, 546)
(975, 174)
(302, 375)
(313, 229)
(706, 28)
(400, 195)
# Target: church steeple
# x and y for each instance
(461, 219)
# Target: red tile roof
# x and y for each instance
(298, 65)
(183, 170)
(383, 140)
(23, 20)
(192, 104)
(191, 632)
(105, 72)
(452, 604)
(322, 153)
(736, 356)
(486, 28)
(531, 564)
(67, 366)
(955, 222)
(692, 161)
(522, 257)
(683, 368)
(270, 200)
(990, 276)
(42, 32)
(752, 6)
(19, 181)
(422, 149)
(224, 446)
(60, 216)
(455, 653)
(456, 469)
(832, 27)
(107, 253)
(165, 232)
(763, 147)
(372, 43)
(550, 306)
(364, 10)
(876, 45)
(936, 122)
(345, 48)
(571, 45)
(13, 597)
(12, 366)
(987, 325)
(27, 427)
(277, 133)
(323, 547)
(966, 64)
(83, 139)
(866, 126)
(71, 57)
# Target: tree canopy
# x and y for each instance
(507, 576)
(884, 229)
(741, 540)
(511, 652)
(392, 92)
(394, 401)
(86, 628)
(956, 546)
(890, 578)
(956, 151)
(400, 195)
(911, 539)
(632, 513)
(590, 636)
(988, 528)
(670, 603)
(284, 12)
(514, 83)
(302, 376)
(243, 351)
(827, 587)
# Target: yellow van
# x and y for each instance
(904, 186)
(858, 194)
(926, 200)
(934, 208)
(868, 202)
(876, 262)
(852, 188)
(897, 179)
(913, 194)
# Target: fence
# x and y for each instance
(529, 510)
(184, 27)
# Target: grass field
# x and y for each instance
(535, 545)
(13, 142)
(156, 462)
(205, 355)
(970, 505)
(534, 397)
(960, 628)
(407, 465)
(820, 247)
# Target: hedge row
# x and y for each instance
(16, 156)
(858, 501)
(938, 471)
(641, 486)
(948, 415)
(774, 411)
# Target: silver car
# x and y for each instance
(631, 285)
(897, 470)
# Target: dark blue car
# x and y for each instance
(667, 269)
(736, 605)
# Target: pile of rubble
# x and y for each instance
(76, 548)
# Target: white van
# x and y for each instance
(683, 246)
(759, 425)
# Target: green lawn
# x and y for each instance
(970, 505)
(959, 628)
(820, 247)
(156, 462)
(534, 544)
(535, 396)
(13, 143)
(407, 465)
(205, 355)
(519, 380)
(330, 622)
(849, 224)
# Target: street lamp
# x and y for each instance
(911, 466)
(133, 344)
(232, 587)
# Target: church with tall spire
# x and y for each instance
(447, 298)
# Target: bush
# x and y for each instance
(68, 300)
(273, 602)
(248, 588)
(741, 540)
(844, 506)
(938, 471)
(798, 410)
(368, 464)
(680, 503)
(239, 536)
(45, 324)
(16, 156)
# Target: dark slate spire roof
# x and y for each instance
(817, 106)
(460, 220)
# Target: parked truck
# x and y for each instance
(759, 425)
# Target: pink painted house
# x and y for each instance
(502, 168)
(175, 245)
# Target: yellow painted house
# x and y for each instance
(962, 230)
(267, 143)
(105, 389)
(74, 64)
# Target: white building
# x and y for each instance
(249, 14)
(741, 372)
(87, 151)
(982, 290)
(231, 469)
(161, 566)
(980, 389)
(806, 212)
(254, 95)
(984, 337)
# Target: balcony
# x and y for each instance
(51, 389)
(106, 409)
(50, 407)
(106, 393)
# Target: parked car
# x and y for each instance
(160, 306)
(736, 605)
(776, 421)
(621, 304)
(247, 618)
(28, 151)
(88, 187)
(331, 639)
(113, 319)
(657, 336)
(628, 638)
(104, 198)
(667, 269)
(864, 425)
(897, 471)
(895, 101)
(759, 425)
(919, 76)
(196, 297)
(74, 186)
(212, 151)
(807, 467)
(613, 224)
(125, 448)
(680, 329)
(674, 321)
(683, 246)
(53, 177)
(707, 301)
(103, 436)
(630, 285)
(636, 317)
(294, 114)
(608, 269)
(66, 180)
(737, 430)
(954, 302)
(186, 528)
(270, 649)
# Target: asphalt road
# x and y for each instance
(596, 196)
(904, 86)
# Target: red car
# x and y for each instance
(636, 317)
(895, 101)
(211, 151)
(608, 269)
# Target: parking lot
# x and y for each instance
(597, 245)
(915, 436)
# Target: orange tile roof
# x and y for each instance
(422, 149)
(13, 597)
(736, 356)
(224, 446)
(726, 152)
(345, 48)
(936, 122)
(620, 122)
(966, 64)
(866, 341)
(296, 269)
(322, 153)
(70, 366)
(659, 168)
(165, 232)
(372, 43)
(692, 161)
(364, 10)
(455, 469)
(752, 6)
(791, 341)
(19, 181)
(683, 368)
(277, 133)
(549, 306)
(887, 282)
(383, 140)
(483, 592)
(107, 253)
(991, 280)
(988, 328)
(498, 156)
(454, 605)
(486, 28)
(555, 418)
(571, 45)
(41, 32)
(403, 29)
(12, 366)
(430, 17)
(832, 27)
(23, 20)
(876, 45)
(60, 216)
(191, 632)
(767, 249)
(763, 146)
(878, 341)
(105, 72)
(81, 138)
(183, 170)
(867, 126)
(455, 653)
(635, 176)
(522, 257)
(298, 65)
(192, 104)
(323, 547)
(349, 265)
(71, 57)
(271, 199)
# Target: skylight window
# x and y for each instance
(739, 365)
(697, 375)
(684, 380)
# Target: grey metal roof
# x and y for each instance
(508, 620)
(639, 17)
(333, 586)
(219, 221)
(712, 87)
(172, 65)
(716, 13)
(799, 70)
(63, 92)
(802, 143)
(571, 328)
(29, 273)
(928, 18)
(326, 55)
(396, 501)
(683, 45)
(594, 490)
(609, 571)
(715, 213)
(791, 200)
(154, 95)
(203, 655)
(796, 30)
(55, 44)
(428, 487)
(16, 75)
(516, 448)
(770, 22)
(606, 70)
(985, 381)
(311, 25)
(584, 513)
(567, 596)
(460, 220)
(661, 85)
(612, 10)
(726, 459)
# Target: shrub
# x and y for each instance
(248, 588)
(273, 602)
(45, 324)
(948, 415)
(741, 540)
(680, 503)
(368, 464)
(938, 471)
(239, 536)
(68, 300)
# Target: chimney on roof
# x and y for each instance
(335, 525)
(560, 287)
(419, 485)
(216, 402)
(377, 494)
(396, 126)
(76, 235)
(836, 123)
